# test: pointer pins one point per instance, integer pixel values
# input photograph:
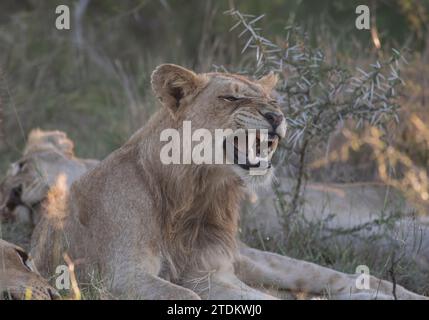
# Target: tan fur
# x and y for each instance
(47, 154)
(19, 278)
(39, 140)
(352, 204)
(287, 275)
(156, 231)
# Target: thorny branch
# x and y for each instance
(317, 96)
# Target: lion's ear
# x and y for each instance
(269, 81)
(172, 84)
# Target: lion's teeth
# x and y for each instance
(251, 140)
(251, 152)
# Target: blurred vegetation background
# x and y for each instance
(93, 82)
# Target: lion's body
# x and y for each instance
(349, 204)
(47, 156)
(144, 223)
(159, 231)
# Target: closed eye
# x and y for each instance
(229, 98)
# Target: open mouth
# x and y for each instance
(252, 149)
(11, 202)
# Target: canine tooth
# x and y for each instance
(252, 157)
(251, 136)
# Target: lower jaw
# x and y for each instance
(249, 167)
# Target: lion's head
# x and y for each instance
(47, 155)
(213, 101)
(19, 278)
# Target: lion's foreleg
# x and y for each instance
(133, 281)
(223, 285)
(259, 268)
(149, 287)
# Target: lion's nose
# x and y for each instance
(274, 119)
(277, 121)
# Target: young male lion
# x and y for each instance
(169, 231)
